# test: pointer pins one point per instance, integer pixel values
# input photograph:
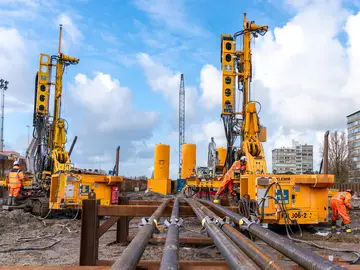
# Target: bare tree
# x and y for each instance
(340, 163)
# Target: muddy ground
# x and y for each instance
(60, 240)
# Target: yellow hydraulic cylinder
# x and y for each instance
(188, 160)
(161, 162)
(222, 155)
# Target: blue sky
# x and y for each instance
(124, 90)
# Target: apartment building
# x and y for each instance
(353, 127)
(297, 159)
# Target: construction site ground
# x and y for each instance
(20, 230)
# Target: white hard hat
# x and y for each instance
(17, 162)
(243, 159)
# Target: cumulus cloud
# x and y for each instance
(210, 84)
(307, 70)
(106, 117)
(70, 28)
(163, 80)
(13, 63)
(309, 74)
(109, 101)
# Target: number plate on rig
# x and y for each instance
(301, 215)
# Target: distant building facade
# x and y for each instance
(353, 127)
(297, 159)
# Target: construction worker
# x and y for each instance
(15, 179)
(340, 204)
(227, 181)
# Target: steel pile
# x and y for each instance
(302, 256)
(132, 254)
(236, 258)
(170, 256)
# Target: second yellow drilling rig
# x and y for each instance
(282, 199)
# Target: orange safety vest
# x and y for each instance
(16, 176)
(237, 165)
(343, 197)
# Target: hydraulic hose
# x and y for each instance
(233, 255)
(304, 257)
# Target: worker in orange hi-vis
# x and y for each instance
(227, 181)
(340, 204)
(15, 179)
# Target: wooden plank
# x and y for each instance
(106, 225)
(122, 226)
(145, 210)
(88, 240)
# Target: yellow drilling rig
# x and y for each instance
(54, 183)
(274, 199)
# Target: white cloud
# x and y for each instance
(14, 64)
(109, 101)
(307, 71)
(163, 80)
(210, 84)
(70, 28)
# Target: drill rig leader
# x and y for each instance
(282, 198)
(47, 157)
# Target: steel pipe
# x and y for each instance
(132, 254)
(304, 257)
(255, 254)
(231, 252)
(170, 256)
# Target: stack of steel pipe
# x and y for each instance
(302, 256)
(231, 252)
(132, 254)
(263, 260)
(170, 256)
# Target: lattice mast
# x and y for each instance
(181, 120)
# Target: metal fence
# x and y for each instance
(354, 186)
(131, 184)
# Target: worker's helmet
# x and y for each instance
(243, 159)
(17, 162)
(350, 191)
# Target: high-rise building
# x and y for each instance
(353, 126)
(297, 159)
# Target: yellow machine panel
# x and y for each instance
(304, 197)
(161, 182)
(69, 189)
(43, 85)
(228, 75)
(188, 160)
(222, 155)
